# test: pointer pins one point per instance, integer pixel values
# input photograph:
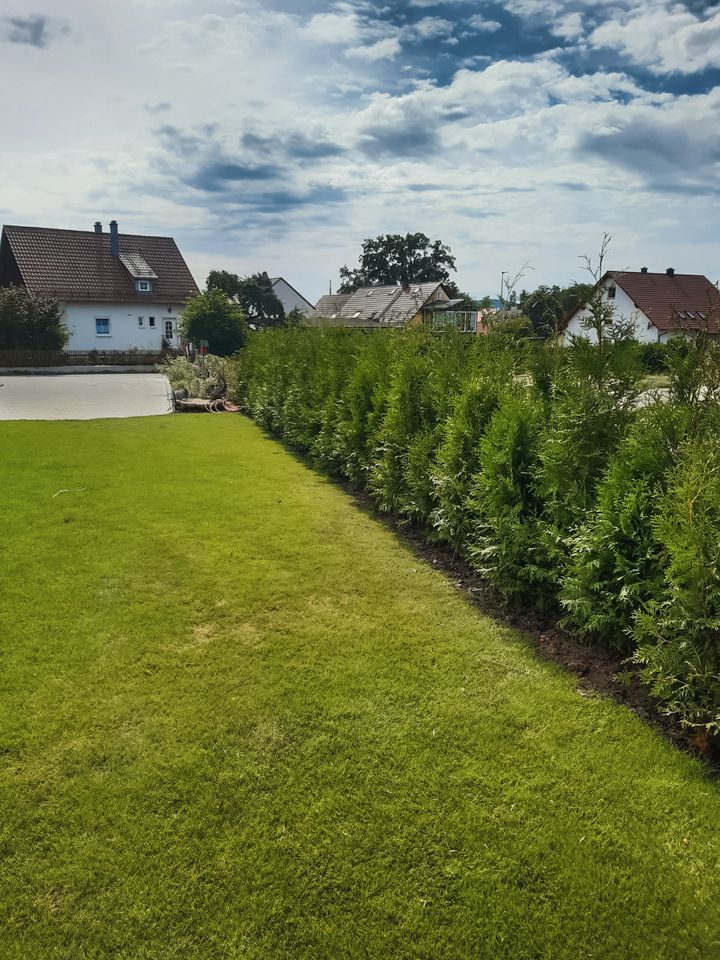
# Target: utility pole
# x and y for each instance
(502, 285)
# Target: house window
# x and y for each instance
(144, 286)
(102, 326)
(141, 322)
(169, 329)
(611, 293)
(151, 321)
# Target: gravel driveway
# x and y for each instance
(83, 396)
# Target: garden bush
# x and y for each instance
(616, 562)
(204, 378)
(678, 636)
(458, 456)
(505, 542)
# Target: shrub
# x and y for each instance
(505, 544)
(458, 457)
(408, 416)
(592, 406)
(654, 357)
(678, 636)
(28, 322)
(616, 562)
(363, 404)
(206, 378)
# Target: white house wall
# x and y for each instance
(126, 333)
(290, 299)
(624, 308)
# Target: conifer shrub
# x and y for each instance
(592, 405)
(678, 635)
(363, 404)
(616, 561)
(505, 543)
(409, 415)
(458, 455)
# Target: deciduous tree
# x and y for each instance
(214, 317)
(393, 258)
(28, 322)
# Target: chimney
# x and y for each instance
(114, 239)
(406, 288)
(670, 271)
(643, 269)
(98, 227)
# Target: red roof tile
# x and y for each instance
(668, 299)
(77, 266)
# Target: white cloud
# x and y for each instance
(385, 49)
(481, 25)
(664, 39)
(333, 28)
(431, 27)
(569, 27)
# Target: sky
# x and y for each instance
(278, 135)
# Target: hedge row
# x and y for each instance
(546, 468)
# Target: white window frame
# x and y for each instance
(144, 286)
(141, 321)
(151, 321)
(171, 335)
(103, 320)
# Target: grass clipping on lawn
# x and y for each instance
(240, 719)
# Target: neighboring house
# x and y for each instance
(289, 297)
(118, 291)
(660, 305)
(372, 308)
(329, 307)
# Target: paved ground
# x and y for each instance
(83, 396)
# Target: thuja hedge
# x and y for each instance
(547, 468)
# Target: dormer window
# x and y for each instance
(140, 270)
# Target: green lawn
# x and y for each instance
(241, 719)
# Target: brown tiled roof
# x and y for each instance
(686, 300)
(668, 300)
(77, 266)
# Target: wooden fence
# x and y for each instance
(82, 358)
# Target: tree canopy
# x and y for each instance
(254, 293)
(393, 258)
(214, 317)
(28, 322)
(546, 307)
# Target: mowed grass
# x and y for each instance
(240, 719)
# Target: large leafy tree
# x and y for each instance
(214, 317)
(28, 322)
(547, 306)
(394, 258)
(254, 293)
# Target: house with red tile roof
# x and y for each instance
(660, 305)
(118, 291)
